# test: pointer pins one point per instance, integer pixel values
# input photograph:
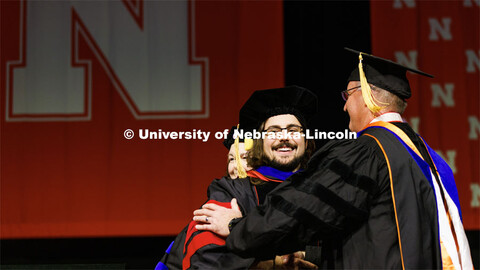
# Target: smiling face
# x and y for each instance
(284, 153)
(232, 161)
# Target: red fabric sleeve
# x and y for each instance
(201, 239)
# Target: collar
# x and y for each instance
(270, 174)
(388, 117)
(395, 130)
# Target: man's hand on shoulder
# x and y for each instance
(216, 218)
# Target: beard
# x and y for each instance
(286, 167)
(282, 166)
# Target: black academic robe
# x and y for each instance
(344, 201)
(206, 250)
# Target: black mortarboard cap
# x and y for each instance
(264, 104)
(385, 74)
(230, 140)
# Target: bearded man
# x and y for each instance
(281, 116)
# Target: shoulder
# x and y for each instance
(225, 189)
(348, 159)
(379, 135)
(228, 186)
(348, 151)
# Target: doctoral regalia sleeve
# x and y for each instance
(206, 250)
(326, 200)
(172, 259)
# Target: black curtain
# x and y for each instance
(315, 34)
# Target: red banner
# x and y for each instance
(441, 38)
(77, 76)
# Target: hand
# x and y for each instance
(295, 261)
(215, 218)
(276, 263)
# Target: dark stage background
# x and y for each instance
(315, 34)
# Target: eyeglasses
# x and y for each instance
(346, 94)
(291, 129)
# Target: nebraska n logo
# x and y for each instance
(147, 50)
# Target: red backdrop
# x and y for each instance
(76, 76)
(67, 170)
(441, 38)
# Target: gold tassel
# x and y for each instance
(241, 171)
(367, 94)
(248, 144)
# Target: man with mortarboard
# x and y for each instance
(385, 200)
(282, 114)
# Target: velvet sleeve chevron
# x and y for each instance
(206, 250)
(329, 199)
